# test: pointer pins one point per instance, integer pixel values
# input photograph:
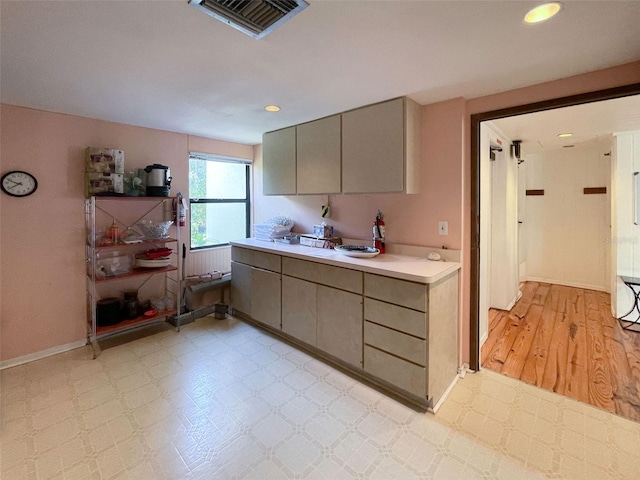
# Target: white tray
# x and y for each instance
(154, 263)
(357, 251)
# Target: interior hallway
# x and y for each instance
(565, 340)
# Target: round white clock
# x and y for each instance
(18, 183)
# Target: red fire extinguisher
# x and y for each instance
(181, 210)
(378, 232)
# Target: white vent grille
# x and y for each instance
(256, 18)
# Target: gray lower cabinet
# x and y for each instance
(340, 324)
(241, 288)
(265, 297)
(299, 300)
(400, 333)
(410, 334)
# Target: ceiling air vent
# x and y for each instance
(256, 18)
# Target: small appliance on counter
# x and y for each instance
(319, 242)
(158, 182)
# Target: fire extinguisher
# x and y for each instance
(378, 232)
(181, 210)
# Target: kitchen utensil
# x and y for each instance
(158, 180)
(108, 311)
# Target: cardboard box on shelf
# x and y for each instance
(104, 160)
(103, 184)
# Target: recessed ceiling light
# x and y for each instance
(565, 135)
(272, 108)
(542, 12)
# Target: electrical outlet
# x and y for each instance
(443, 227)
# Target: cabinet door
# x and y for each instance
(241, 288)
(373, 148)
(340, 324)
(279, 162)
(318, 156)
(299, 309)
(265, 297)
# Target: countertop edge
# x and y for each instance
(353, 263)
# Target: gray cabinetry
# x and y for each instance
(338, 307)
(299, 300)
(319, 156)
(373, 149)
(279, 162)
(265, 297)
(340, 324)
(399, 334)
(241, 288)
(410, 333)
(256, 285)
(381, 148)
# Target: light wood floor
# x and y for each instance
(565, 340)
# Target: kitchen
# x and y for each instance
(43, 298)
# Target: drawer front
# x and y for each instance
(405, 346)
(242, 255)
(267, 261)
(398, 292)
(396, 371)
(342, 278)
(398, 318)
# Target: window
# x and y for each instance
(219, 199)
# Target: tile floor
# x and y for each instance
(223, 400)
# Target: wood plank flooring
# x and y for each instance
(565, 340)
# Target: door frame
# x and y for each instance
(475, 120)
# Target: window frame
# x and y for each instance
(210, 200)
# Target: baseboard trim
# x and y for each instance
(567, 284)
(444, 396)
(14, 362)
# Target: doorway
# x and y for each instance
(539, 289)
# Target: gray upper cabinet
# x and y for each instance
(319, 156)
(381, 148)
(373, 149)
(279, 162)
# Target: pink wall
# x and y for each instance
(42, 236)
(42, 264)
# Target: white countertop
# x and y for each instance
(414, 269)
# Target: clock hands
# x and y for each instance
(15, 184)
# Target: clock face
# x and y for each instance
(18, 184)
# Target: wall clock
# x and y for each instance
(18, 184)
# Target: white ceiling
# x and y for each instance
(589, 123)
(164, 64)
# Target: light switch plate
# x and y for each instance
(443, 227)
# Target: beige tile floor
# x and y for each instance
(223, 400)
